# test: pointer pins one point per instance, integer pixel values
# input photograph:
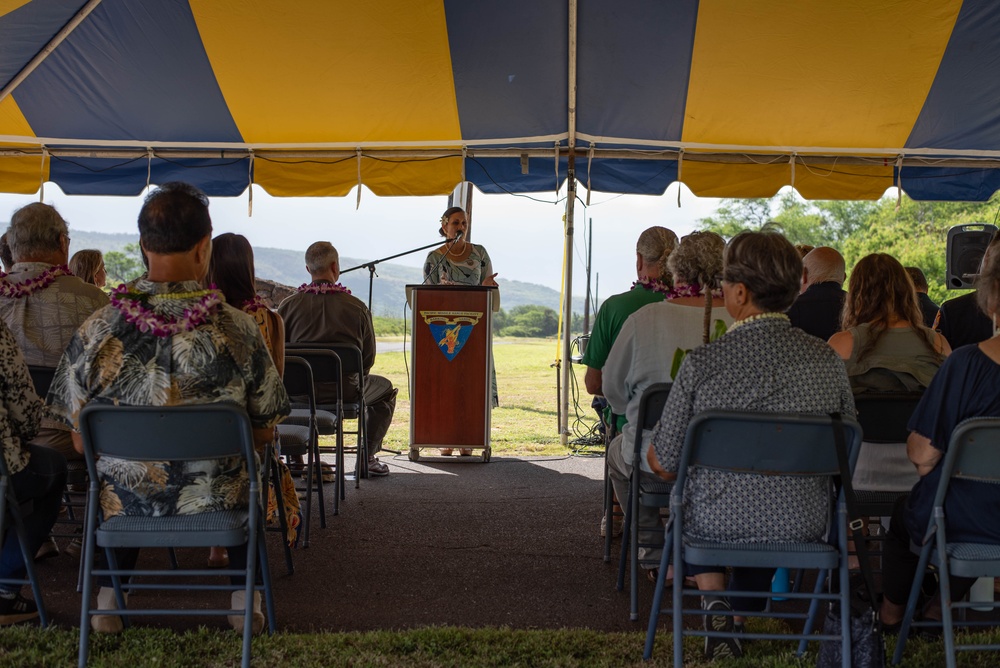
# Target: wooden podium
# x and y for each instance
(451, 353)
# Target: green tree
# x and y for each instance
(531, 320)
(917, 235)
(124, 265)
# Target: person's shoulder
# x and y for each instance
(81, 289)
(960, 303)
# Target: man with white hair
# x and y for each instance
(817, 309)
(323, 311)
(43, 304)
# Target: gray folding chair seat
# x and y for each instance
(326, 422)
(763, 444)
(12, 514)
(642, 492)
(971, 456)
(175, 433)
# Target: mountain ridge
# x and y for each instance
(287, 266)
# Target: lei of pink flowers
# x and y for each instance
(32, 285)
(322, 288)
(674, 292)
(254, 304)
(132, 307)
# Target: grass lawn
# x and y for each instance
(526, 421)
(23, 647)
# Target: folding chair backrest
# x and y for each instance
(351, 361)
(298, 380)
(651, 404)
(41, 376)
(766, 443)
(175, 433)
(973, 454)
(884, 415)
(327, 366)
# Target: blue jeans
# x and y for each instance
(42, 481)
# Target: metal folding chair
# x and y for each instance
(176, 433)
(774, 444)
(971, 456)
(642, 492)
(350, 404)
(883, 417)
(609, 491)
(12, 514)
(299, 440)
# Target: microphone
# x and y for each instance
(459, 235)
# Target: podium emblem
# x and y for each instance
(451, 329)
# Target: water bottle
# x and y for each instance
(982, 592)
(781, 583)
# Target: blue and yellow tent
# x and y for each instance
(409, 97)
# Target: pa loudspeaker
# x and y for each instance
(966, 246)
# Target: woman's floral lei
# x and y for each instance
(322, 288)
(133, 306)
(254, 304)
(32, 285)
(674, 292)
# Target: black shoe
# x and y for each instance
(16, 610)
(716, 648)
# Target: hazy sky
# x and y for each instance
(523, 236)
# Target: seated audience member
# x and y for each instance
(653, 280)
(231, 271)
(166, 342)
(765, 365)
(5, 257)
(324, 311)
(649, 342)
(37, 474)
(816, 311)
(966, 386)
(928, 309)
(961, 320)
(885, 349)
(88, 266)
(43, 304)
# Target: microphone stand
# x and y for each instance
(371, 266)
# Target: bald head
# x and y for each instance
(822, 265)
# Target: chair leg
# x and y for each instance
(318, 481)
(821, 577)
(608, 507)
(272, 477)
(623, 553)
(911, 604)
(9, 508)
(265, 573)
(654, 612)
(947, 627)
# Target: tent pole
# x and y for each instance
(570, 203)
(49, 48)
(568, 301)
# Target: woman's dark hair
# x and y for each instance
(768, 265)
(881, 290)
(448, 213)
(231, 268)
(174, 218)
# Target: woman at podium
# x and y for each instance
(460, 262)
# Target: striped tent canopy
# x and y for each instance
(410, 97)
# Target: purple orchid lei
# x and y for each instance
(132, 306)
(40, 282)
(322, 288)
(254, 304)
(674, 292)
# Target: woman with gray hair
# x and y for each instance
(762, 364)
(648, 350)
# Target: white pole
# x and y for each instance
(570, 203)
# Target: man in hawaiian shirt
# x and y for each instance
(164, 342)
(324, 311)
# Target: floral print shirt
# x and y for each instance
(223, 359)
(20, 407)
